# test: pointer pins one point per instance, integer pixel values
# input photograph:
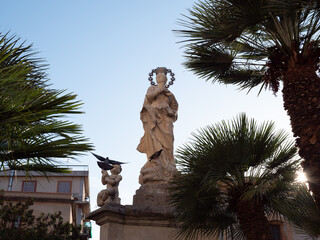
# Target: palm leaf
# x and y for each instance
(232, 156)
(230, 41)
(32, 125)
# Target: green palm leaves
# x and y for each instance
(33, 125)
(250, 42)
(264, 42)
(227, 168)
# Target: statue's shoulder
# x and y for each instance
(152, 88)
(151, 93)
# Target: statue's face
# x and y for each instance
(116, 169)
(161, 79)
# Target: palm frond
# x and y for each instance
(300, 210)
(32, 125)
(227, 163)
(226, 39)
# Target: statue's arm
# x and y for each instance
(104, 176)
(173, 109)
(119, 178)
(155, 91)
(114, 181)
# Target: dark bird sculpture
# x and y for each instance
(155, 155)
(105, 163)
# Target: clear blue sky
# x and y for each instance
(103, 51)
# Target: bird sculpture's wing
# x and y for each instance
(99, 157)
(104, 166)
(116, 162)
(107, 160)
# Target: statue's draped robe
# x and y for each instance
(158, 113)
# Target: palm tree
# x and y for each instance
(233, 175)
(34, 132)
(264, 42)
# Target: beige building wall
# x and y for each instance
(74, 206)
(65, 209)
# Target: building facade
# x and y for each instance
(64, 192)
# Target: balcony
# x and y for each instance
(38, 196)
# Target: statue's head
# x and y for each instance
(116, 169)
(161, 79)
(161, 76)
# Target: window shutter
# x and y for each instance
(64, 187)
(29, 186)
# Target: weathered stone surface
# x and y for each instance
(111, 194)
(155, 172)
(155, 194)
(129, 222)
(158, 114)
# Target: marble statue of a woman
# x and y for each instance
(158, 114)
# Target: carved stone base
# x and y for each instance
(152, 194)
(157, 171)
(154, 179)
(119, 222)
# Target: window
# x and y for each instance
(64, 186)
(16, 223)
(28, 186)
(275, 231)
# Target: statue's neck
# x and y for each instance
(161, 84)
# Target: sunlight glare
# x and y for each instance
(301, 177)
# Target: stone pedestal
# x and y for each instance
(118, 222)
(152, 194)
(157, 171)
